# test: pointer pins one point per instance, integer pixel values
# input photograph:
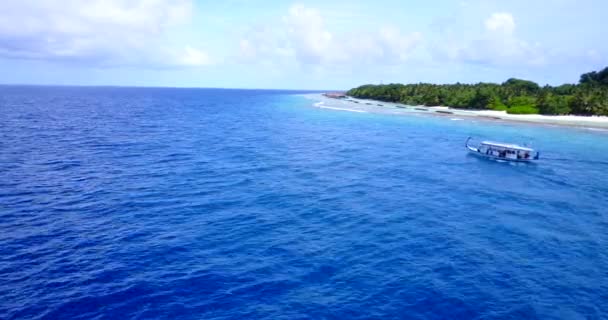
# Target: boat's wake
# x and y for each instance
(593, 162)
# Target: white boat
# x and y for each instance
(503, 151)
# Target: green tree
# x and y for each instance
(595, 78)
(589, 97)
(550, 103)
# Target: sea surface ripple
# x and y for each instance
(138, 203)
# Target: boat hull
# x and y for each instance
(475, 151)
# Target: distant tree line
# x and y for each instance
(515, 96)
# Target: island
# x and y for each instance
(589, 97)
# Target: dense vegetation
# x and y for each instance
(589, 97)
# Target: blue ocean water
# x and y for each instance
(135, 203)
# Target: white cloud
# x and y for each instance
(501, 22)
(99, 32)
(307, 40)
(266, 45)
(496, 45)
(307, 33)
(396, 45)
(193, 57)
(247, 50)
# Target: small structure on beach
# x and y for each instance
(335, 95)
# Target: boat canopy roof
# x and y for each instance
(506, 146)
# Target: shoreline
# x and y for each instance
(600, 123)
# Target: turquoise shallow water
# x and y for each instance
(233, 204)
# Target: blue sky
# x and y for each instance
(298, 44)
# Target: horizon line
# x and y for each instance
(156, 87)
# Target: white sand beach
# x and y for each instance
(362, 105)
